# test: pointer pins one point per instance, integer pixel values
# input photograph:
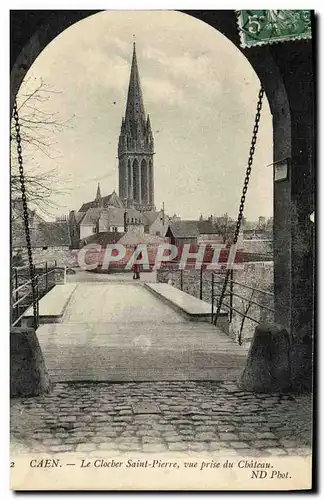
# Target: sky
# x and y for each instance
(199, 91)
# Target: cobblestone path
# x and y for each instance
(193, 416)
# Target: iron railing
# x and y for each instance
(21, 293)
(248, 301)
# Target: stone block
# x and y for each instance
(268, 363)
(28, 374)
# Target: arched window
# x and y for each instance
(144, 182)
(136, 181)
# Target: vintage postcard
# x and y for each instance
(162, 250)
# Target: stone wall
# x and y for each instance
(258, 246)
(191, 281)
(62, 256)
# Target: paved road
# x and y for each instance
(122, 332)
(213, 417)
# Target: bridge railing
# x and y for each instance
(21, 289)
(242, 302)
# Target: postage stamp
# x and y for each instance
(261, 27)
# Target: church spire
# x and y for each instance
(135, 113)
(98, 195)
(136, 148)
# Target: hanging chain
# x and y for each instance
(243, 196)
(25, 211)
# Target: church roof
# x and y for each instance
(112, 216)
(150, 217)
(111, 199)
(109, 216)
(91, 216)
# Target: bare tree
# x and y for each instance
(37, 129)
(225, 226)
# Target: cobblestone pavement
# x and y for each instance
(193, 416)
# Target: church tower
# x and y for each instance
(136, 149)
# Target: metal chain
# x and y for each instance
(243, 196)
(25, 211)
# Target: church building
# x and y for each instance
(133, 209)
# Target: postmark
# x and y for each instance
(263, 27)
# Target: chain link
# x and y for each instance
(25, 211)
(243, 196)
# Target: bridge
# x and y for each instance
(111, 328)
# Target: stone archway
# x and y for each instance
(286, 73)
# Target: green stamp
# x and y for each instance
(261, 27)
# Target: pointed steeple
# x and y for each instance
(135, 113)
(98, 195)
(136, 148)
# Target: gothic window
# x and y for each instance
(144, 181)
(136, 181)
(150, 181)
(129, 179)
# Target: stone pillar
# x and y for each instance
(123, 178)
(268, 367)
(28, 374)
(294, 198)
(294, 201)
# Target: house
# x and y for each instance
(183, 232)
(208, 233)
(50, 241)
(43, 234)
(155, 222)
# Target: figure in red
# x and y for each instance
(137, 268)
